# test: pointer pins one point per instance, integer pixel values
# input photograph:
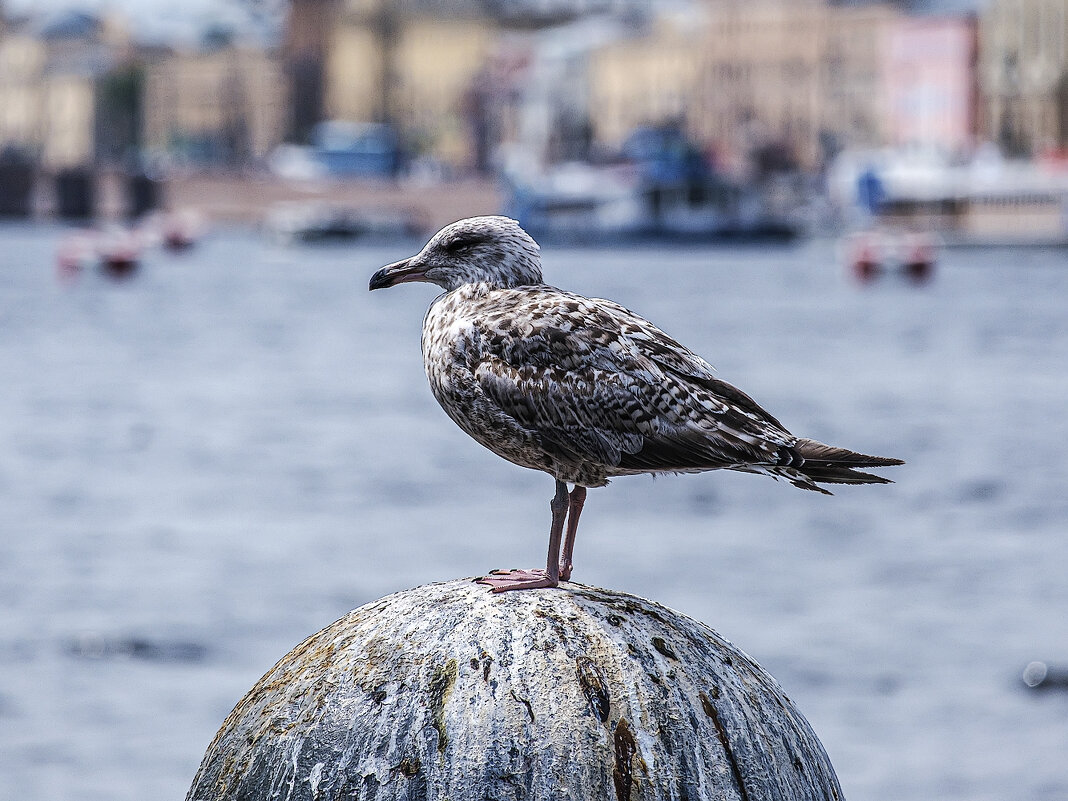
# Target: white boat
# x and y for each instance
(986, 201)
(585, 202)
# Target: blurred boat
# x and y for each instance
(341, 149)
(116, 253)
(871, 254)
(175, 231)
(119, 251)
(660, 186)
(76, 253)
(289, 223)
(987, 201)
(919, 258)
(599, 203)
(864, 257)
(180, 230)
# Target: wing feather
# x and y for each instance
(597, 382)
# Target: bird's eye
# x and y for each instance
(462, 243)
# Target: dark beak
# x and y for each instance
(397, 273)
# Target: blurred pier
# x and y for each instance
(246, 199)
(77, 194)
(112, 195)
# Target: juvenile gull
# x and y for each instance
(583, 388)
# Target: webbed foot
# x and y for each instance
(505, 580)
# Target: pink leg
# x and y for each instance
(574, 509)
(504, 580)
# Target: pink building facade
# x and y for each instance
(931, 92)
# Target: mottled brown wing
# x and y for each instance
(600, 383)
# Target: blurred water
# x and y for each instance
(203, 465)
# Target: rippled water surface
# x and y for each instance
(204, 464)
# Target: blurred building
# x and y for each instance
(409, 64)
(931, 88)
(442, 71)
(1023, 69)
(762, 80)
(22, 63)
(764, 85)
(61, 103)
(307, 34)
(770, 83)
(223, 105)
(651, 77)
(853, 76)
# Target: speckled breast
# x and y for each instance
(452, 350)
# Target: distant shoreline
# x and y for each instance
(246, 199)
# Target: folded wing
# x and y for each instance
(598, 383)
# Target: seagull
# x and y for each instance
(583, 388)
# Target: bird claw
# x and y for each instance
(505, 580)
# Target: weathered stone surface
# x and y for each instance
(451, 692)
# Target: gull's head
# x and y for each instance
(479, 250)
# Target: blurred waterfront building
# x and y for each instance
(931, 84)
(765, 85)
(853, 112)
(63, 90)
(22, 61)
(446, 73)
(1023, 68)
(652, 77)
(307, 34)
(758, 85)
(761, 80)
(764, 82)
(409, 65)
(223, 105)
(769, 84)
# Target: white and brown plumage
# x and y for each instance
(583, 388)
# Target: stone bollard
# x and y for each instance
(449, 691)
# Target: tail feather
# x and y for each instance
(819, 455)
(826, 464)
